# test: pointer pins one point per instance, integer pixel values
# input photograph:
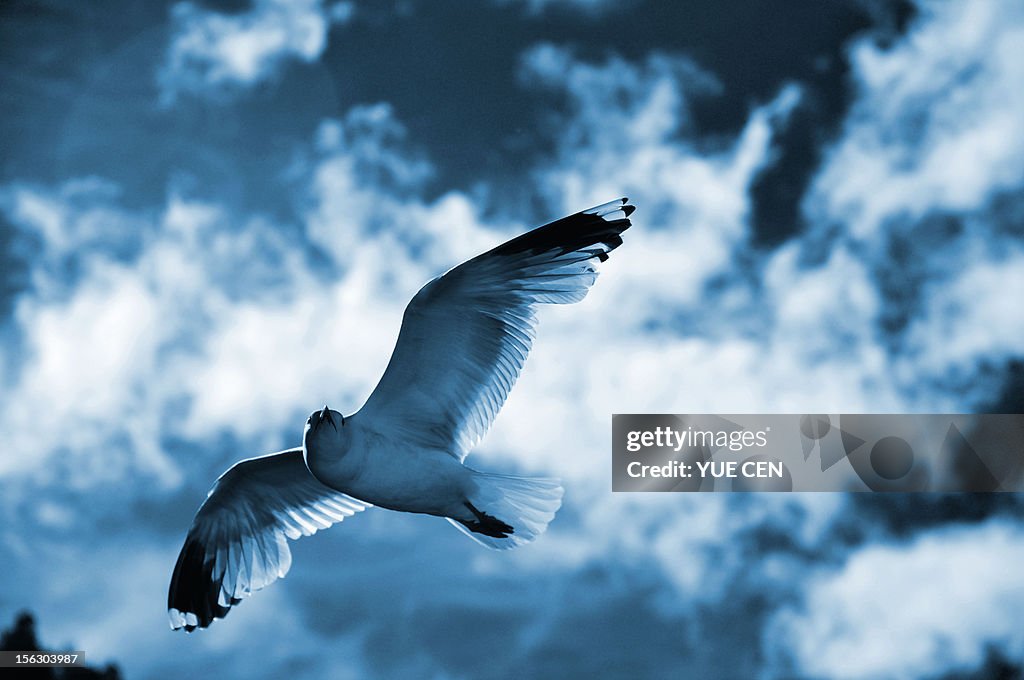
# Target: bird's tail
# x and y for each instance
(504, 511)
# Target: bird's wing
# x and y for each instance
(466, 334)
(237, 543)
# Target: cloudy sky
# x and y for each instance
(213, 213)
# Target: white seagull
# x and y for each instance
(464, 338)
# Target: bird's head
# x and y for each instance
(325, 431)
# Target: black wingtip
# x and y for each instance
(194, 590)
(575, 232)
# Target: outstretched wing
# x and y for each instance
(466, 334)
(237, 543)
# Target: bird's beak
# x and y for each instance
(325, 414)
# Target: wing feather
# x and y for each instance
(466, 335)
(238, 540)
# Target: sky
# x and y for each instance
(213, 213)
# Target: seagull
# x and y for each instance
(464, 338)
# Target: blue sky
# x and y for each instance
(212, 215)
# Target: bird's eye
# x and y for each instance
(309, 420)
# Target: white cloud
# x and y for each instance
(792, 333)
(934, 134)
(936, 125)
(977, 312)
(627, 133)
(936, 605)
(797, 339)
(201, 327)
(213, 52)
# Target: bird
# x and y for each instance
(463, 341)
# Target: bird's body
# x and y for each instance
(465, 336)
(381, 470)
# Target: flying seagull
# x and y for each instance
(463, 341)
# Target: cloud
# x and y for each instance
(915, 187)
(627, 130)
(941, 603)
(935, 127)
(695, 319)
(216, 53)
(145, 325)
(977, 313)
(155, 346)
